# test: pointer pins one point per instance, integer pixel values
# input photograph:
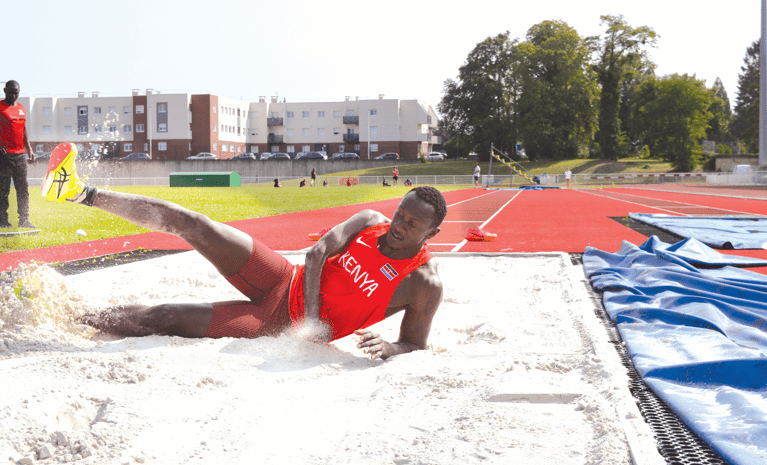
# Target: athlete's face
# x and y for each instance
(11, 93)
(412, 224)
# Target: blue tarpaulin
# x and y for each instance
(698, 337)
(727, 232)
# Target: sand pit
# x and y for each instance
(518, 370)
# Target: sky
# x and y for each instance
(309, 50)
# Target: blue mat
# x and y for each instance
(721, 232)
(698, 337)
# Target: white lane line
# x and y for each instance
(473, 198)
(464, 221)
(463, 242)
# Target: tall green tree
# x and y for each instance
(621, 58)
(745, 125)
(671, 115)
(480, 106)
(721, 114)
(555, 109)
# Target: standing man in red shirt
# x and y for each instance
(13, 164)
(395, 175)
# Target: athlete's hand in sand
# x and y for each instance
(315, 330)
(370, 343)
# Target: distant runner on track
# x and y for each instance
(364, 270)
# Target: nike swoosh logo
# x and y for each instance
(359, 241)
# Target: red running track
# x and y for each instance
(553, 220)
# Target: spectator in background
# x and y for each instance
(395, 175)
(408, 182)
(13, 163)
(385, 184)
(302, 183)
(476, 175)
(314, 175)
(277, 183)
(325, 183)
(568, 175)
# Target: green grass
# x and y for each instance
(60, 221)
(466, 167)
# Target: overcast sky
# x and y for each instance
(325, 50)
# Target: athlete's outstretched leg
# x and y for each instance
(133, 320)
(227, 248)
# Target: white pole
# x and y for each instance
(763, 88)
(369, 130)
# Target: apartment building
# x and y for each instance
(175, 126)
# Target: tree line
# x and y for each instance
(564, 96)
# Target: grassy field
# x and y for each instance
(466, 167)
(60, 221)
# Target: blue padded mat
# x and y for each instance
(726, 232)
(698, 337)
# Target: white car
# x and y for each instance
(203, 156)
(435, 156)
(742, 169)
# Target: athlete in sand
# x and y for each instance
(362, 271)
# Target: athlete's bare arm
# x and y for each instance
(420, 295)
(334, 242)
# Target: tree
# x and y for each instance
(745, 125)
(479, 107)
(721, 114)
(621, 58)
(555, 108)
(671, 115)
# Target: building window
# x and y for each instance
(126, 110)
(39, 148)
(162, 127)
(46, 129)
(305, 132)
(128, 147)
(139, 128)
(67, 129)
(112, 109)
(320, 114)
(291, 148)
(238, 112)
(82, 110)
(340, 148)
(139, 109)
(291, 115)
(290, 131)
(305, 114)
(67, 111)
(146, 146)
(321, 131)
(214, 146)
(224, 147)
(214, 108)
(254, 132)
(336, 114)
(357, 147)
(215, 128)
(97, 129)
(336, 131)
(253, 115)
(82, 130)
(374, 147)
(162, 107)
(349, 112)
(127, 128)
(46, 110)
(112, 128)
(162, 146)
(373, 130)
(96, 110)
(373, 112)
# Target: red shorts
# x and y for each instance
(265, 280)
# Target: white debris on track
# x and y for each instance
(518, 370)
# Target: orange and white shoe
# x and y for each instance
(61, 182)
(478, 235)
(317, 236)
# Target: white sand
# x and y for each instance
(518, 370)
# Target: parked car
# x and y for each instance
(315, 156)
(265, 155)
(742, 169)
(203, 156)
(388, 156)
(299, 155)
(280, 156)
(435, 156)
(346, 155)
(245, 156)
(43, 156)
(136, 156)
